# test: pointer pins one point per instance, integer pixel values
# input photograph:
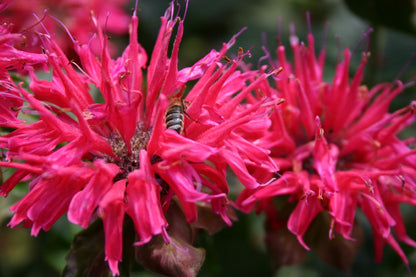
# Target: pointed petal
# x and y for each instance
(143, 196)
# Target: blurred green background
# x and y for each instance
(240, 250)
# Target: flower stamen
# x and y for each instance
(128, 160)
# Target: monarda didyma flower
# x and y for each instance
(12, 59)
(21, 15)
(337, 148)
(116, 158)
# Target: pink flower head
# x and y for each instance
(12, 59)
(337, 148)
(115, 157)
(75, 15)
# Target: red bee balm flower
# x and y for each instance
(74, 14)
(337, 148)
(118, 157)
(12, 59)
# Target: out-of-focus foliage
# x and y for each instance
(240, 249)
(397, 14)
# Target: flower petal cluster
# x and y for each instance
(114, 157)
(75, 15)
(98, 145)
(338, 150)
(12, 59)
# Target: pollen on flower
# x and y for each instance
(128, 159)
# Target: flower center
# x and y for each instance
(128, 160)
(307, 165)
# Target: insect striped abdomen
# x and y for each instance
(174, 116)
